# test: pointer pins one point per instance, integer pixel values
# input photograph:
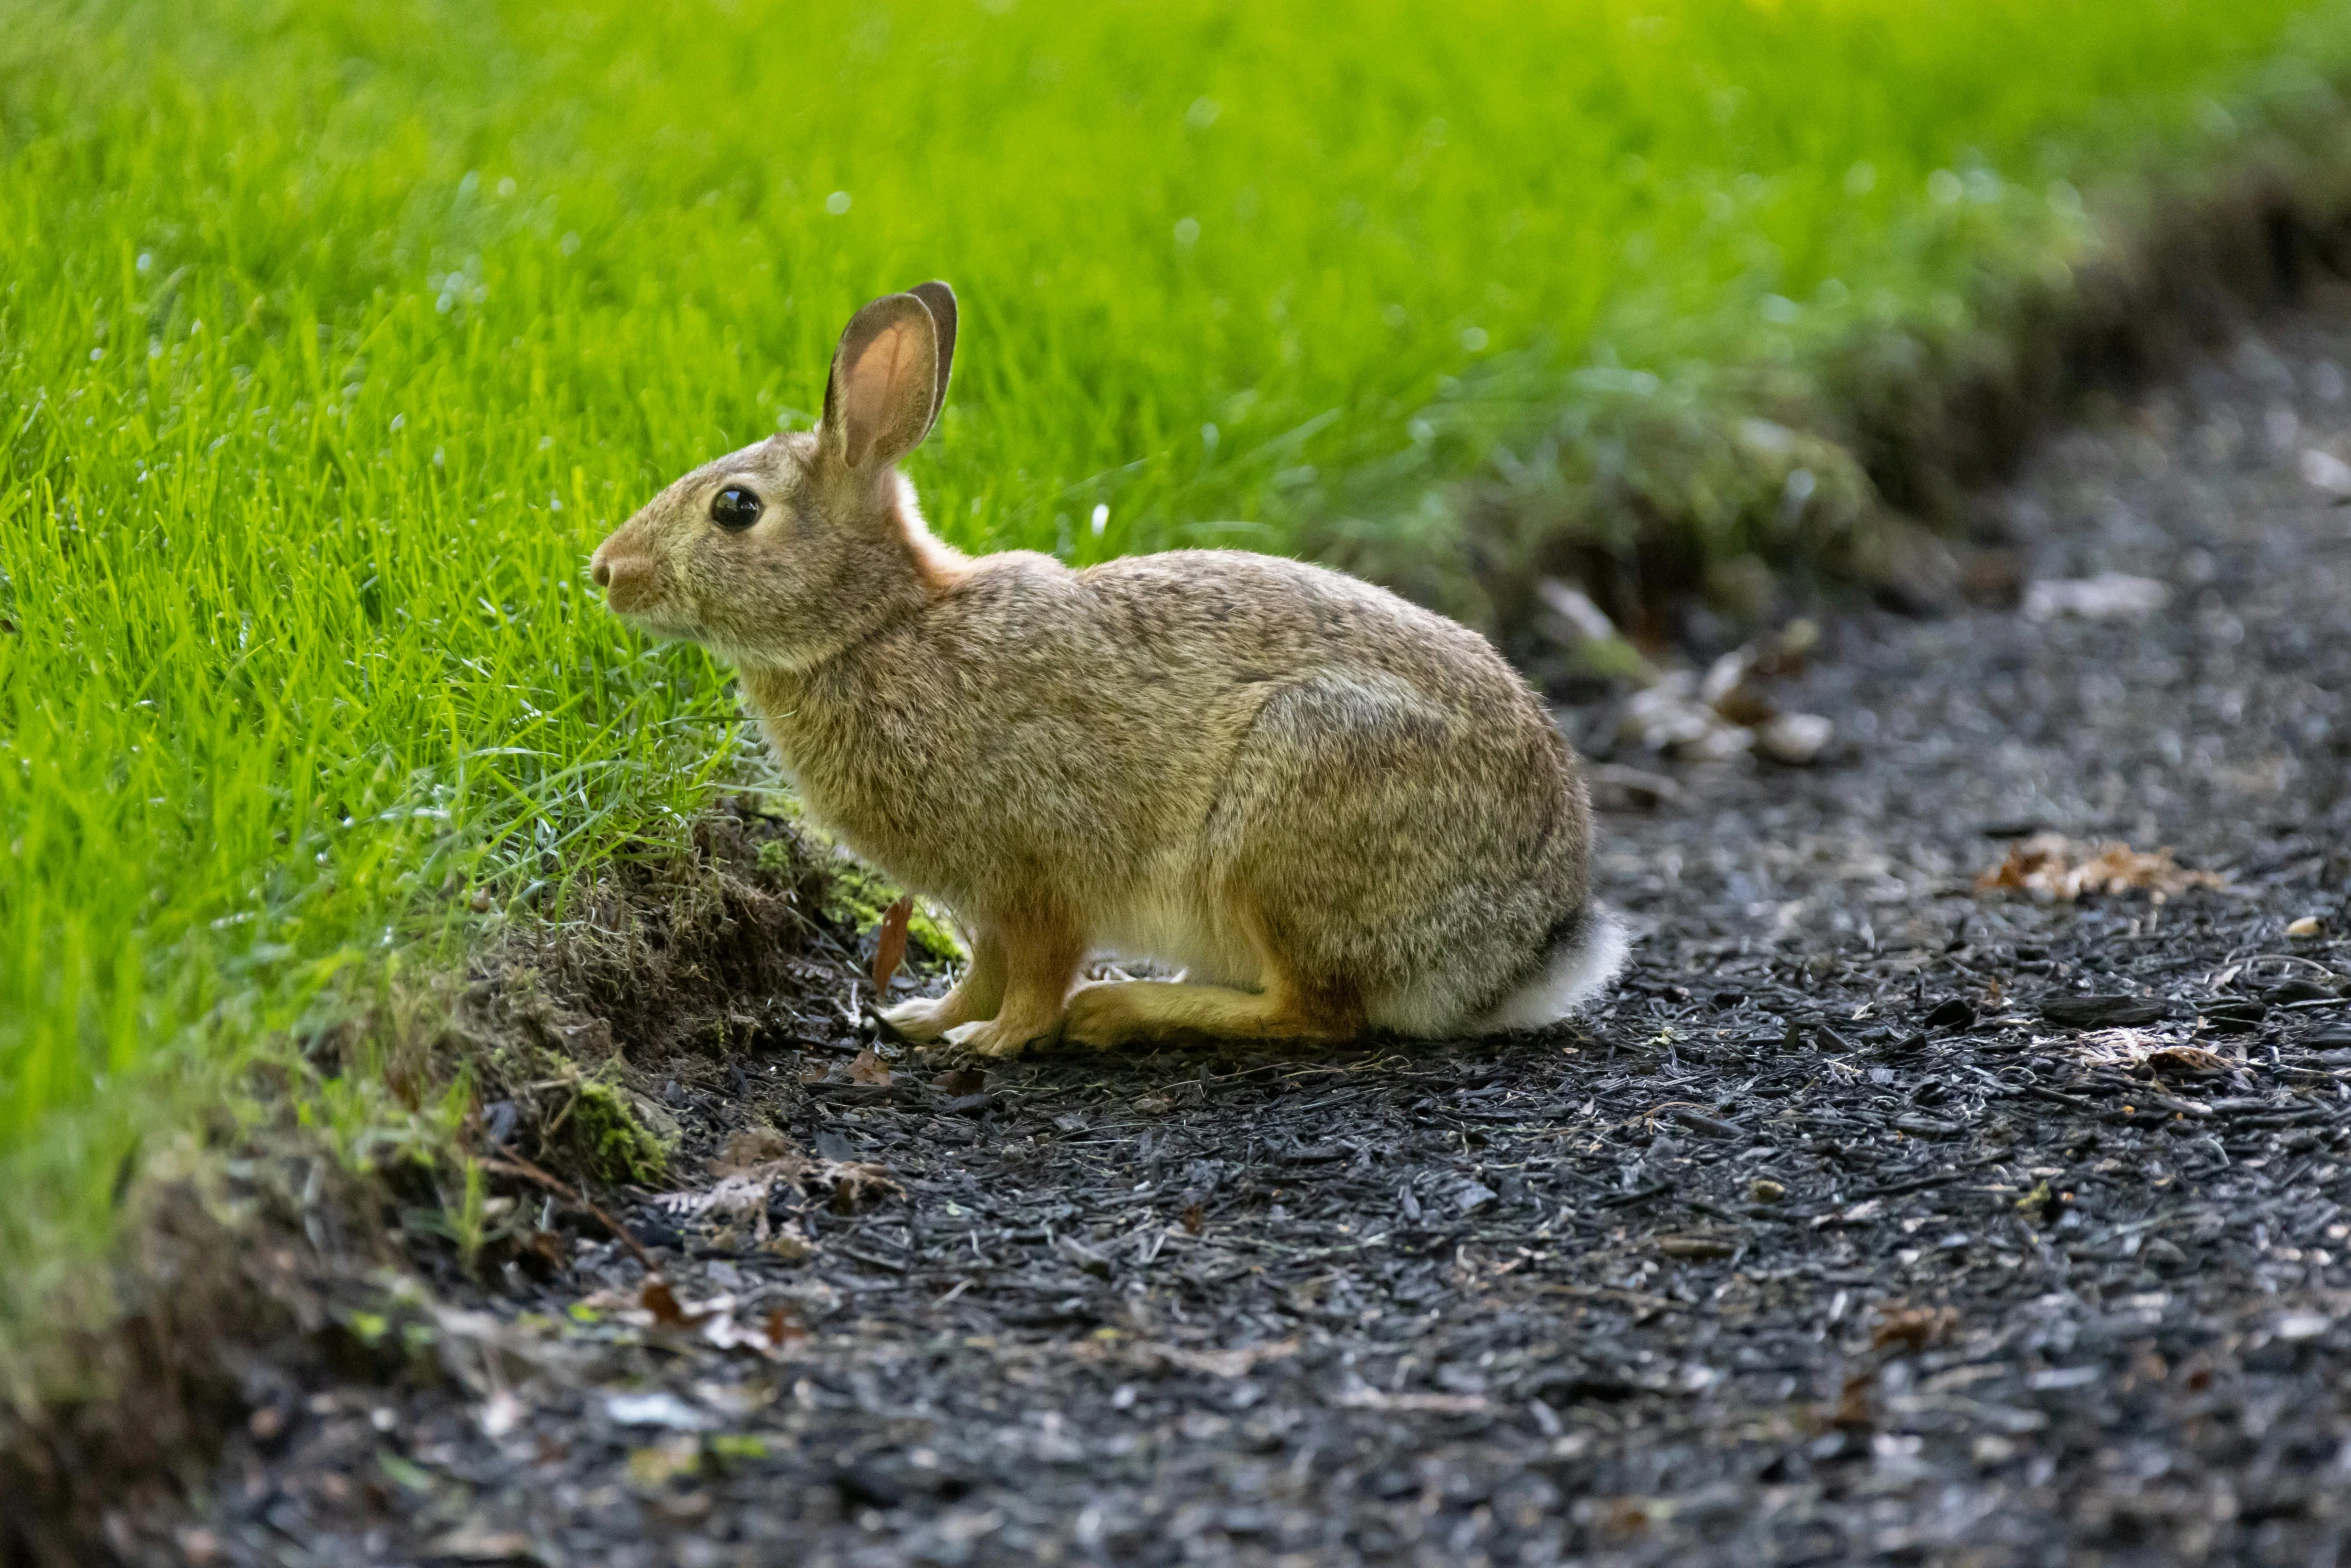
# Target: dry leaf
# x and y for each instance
(959, 1082)
(890, 949)
(1854, 1403)
(751, 1148)
(858, 1183)
(870, 1068)
(2188, 1059)
(783, 1328)
(1914, 1328)
(1194, 1219)
(658, 1299)
(2052, 866)
(1238, 1362)
(2127, 1048)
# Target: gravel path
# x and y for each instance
(1828, 1239)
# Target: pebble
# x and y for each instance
(2107, 596)
(1795, 739)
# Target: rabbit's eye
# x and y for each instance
(735, 508)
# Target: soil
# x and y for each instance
(1844, 1229)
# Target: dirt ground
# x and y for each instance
(1835, 1234)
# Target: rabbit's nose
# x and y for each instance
(601, 572)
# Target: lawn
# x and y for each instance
(333, 336)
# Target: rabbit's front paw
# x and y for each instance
(925, 1019)
(998, 1036)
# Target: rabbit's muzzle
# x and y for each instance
(630, 582)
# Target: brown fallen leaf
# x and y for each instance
(545, 1251)
(1695, 1247)
(1238, 1362)
(2130, 1048)
(2050, 865)
(856, 1183)
(1194, 1218)
(658, 1299)
(1856, 1402)
(783, 1328)
(958, 1082)
(750, 1148)
(1624, 1516)
(890, 949)
(869, 1068)
(1912, 1329)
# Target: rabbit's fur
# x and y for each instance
(1335, 810)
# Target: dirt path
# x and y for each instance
(1784, 1259)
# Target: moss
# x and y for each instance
(609, 1136)
(857, 896)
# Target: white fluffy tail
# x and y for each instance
(1579, 966)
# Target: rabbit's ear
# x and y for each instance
(941, 301)
(884, 385)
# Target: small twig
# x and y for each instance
(1637, 1195)
(516, 1165)
(1901, 1189)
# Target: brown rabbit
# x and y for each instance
(1335, 810)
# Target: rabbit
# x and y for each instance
(1336, 811)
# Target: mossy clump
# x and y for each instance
(857, 896)
(609, 1138)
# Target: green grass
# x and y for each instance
(333, 336)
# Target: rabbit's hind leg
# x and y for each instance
(1122, 1012)
(978, 993)
(1041, 956)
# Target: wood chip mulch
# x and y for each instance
(1873, 1217)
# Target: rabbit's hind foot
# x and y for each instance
(1021, 971)
(1001, 1036)
(978, 994)
(926, 1019)
(1122, 1012)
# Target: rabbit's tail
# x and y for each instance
(1584, 954)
